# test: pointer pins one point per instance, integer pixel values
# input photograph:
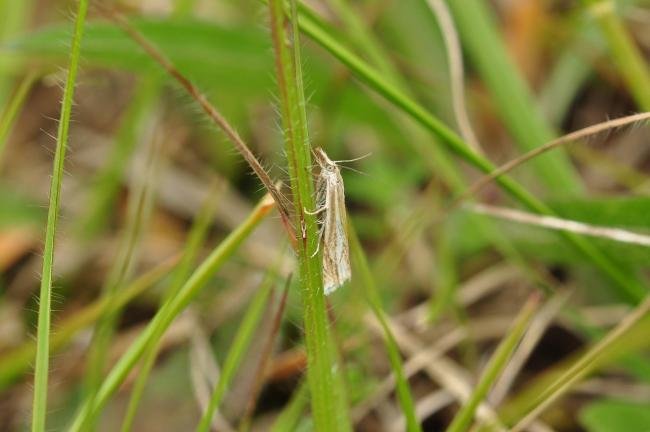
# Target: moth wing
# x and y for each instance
(336, 254)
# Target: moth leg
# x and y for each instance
(317, 211)
(320, 237)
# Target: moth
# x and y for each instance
(333, 236)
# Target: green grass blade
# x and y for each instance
(106, 183)
(238, 349)
(15, 363)
(569, 74)
(498, 361)
(39, 408)
(183, 7)
(510, 93)
(326, 393)
(627, 286)
(170, 310)
(446, 278)
(15, 16)
(365, 41)
(195, 240)
(290, 416)
(401, 382)
(629, 60)
(11, 112)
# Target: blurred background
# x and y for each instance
(147, 174)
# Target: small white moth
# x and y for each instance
(333, 235)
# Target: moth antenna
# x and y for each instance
(352, 169)
(353, 160)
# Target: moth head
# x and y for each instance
(323, 160)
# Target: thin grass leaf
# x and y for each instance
(564, 140)
(364, 39)
(39, 408)
(446, 278)
(569, 74)
(328, 409)
(291, 415)
(238, 349)
(10, 113)
(107, 181)
(497, 363)
(195, 240)
(372, 295)
(15, 17)
(627, 56)
(171, 309)
(216, 59)
(15, 363)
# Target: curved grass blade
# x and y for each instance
(10, 113)
(569, 138)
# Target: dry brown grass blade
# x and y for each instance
(267, 351)
(204, 370)
(440, 369)
(456, 72)
(566, 139)
(552, 222)
(208, 108)
(415, 363)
